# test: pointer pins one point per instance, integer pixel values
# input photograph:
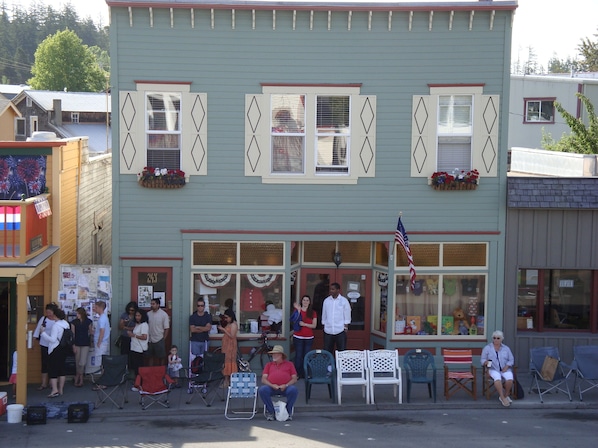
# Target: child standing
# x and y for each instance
(174, 365)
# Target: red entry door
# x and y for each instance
(356, 286)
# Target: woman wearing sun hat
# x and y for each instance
(278, 378)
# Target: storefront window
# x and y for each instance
(554, 299)
(256, 298)
(440, 305)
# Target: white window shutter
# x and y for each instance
(257, 135)
(485, 140)
(131, 113)
(195, 134)
(363, 136)
(423, 135)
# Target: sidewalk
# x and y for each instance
(352, 400)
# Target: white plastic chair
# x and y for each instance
(383, 368)
(243, 385)
(351, 370)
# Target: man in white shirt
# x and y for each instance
(336, 317)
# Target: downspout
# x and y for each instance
(78, 196)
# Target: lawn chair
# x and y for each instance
(154, 384)
(111, 381)
(319, 367)
(585, 367)
(351, 370)
(558, 382)
(243, 385)
(459, 372)
(383, 368)
(420, 369)
(488, 388)
(207, 382)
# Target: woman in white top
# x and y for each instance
(139, 341)
(56, 353)
(45, 326)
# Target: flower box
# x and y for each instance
(161, 178)
(458, 180)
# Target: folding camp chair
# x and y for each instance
(585, 367)
(558, 382)
(319, 367)
(207, 381)
(154, 384)
(243, 385)
(383, 366)
(111, 381)
(459, 372)
(351, 370)
(420, 368)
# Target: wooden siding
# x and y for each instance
(546, 239)
(69, 177)
(227, 64)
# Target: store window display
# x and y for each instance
(460, 299)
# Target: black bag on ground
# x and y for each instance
(519, 393)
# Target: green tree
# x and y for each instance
(556, 65)
(583, 139)
(63, 62)
(589, 52)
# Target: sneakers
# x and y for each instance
(134, 389)
(269, 417)
(290, 418)
(505, 402)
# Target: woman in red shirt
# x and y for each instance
(304, 320)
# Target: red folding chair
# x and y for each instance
(154, 384)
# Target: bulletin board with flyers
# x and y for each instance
(82, 286)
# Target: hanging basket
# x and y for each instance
(157, 182)
(455, 185)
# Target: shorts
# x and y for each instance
(198, 348)
(496, 375)
(156, 349)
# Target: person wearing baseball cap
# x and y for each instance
(278, 378)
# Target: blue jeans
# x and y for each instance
(266, 392)
(302, 347)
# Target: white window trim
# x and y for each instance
(17, 120)
(361, 147)
(132, 137)
(424, 138)
(75, 117)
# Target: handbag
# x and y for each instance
(295, 319)
(549, 368)
(118, 341)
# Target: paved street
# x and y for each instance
(430, 428)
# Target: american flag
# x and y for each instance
(403, 240)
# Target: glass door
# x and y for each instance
(355, 286)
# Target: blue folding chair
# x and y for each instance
(557, 383)
(243, 385)
(585, 367)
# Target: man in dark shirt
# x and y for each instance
(200, 324)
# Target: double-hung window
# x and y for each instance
(454, 127)
(455, 131)
(310, 134)
(163, 129)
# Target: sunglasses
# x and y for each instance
(201, 306)
(494, 337)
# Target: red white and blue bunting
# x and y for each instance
(261, 280)
(215, 280)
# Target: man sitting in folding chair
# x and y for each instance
(206, 379)
(278, 378)
(499, 359)
(111, 381)
(153, 383)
